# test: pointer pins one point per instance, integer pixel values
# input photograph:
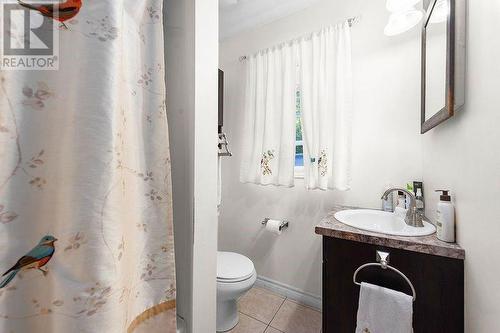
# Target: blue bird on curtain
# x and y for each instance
(38, 257)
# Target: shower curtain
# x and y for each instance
(86, 237)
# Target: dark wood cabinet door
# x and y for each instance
(438, 281)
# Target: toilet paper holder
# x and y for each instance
(283, 225)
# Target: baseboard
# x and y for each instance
(294, 294)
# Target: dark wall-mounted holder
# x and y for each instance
(221, 101)
(223, 144)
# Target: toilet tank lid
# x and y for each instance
(233, 266)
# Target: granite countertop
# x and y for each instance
(331, 227)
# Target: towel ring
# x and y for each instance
(383, 259)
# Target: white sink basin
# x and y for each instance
(382, 222)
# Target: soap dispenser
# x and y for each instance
(445, 223)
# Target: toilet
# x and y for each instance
(235, 276)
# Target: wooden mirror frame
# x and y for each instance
(455, 63)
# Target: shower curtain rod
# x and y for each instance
(351, 21)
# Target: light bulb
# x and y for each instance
(402, 21)
(395, 6)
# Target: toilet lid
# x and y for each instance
(233, 266)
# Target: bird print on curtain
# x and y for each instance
(61, 12)
(86, 161)
(38, 257)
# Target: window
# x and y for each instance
(299, 144)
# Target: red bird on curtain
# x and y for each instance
(60, 12)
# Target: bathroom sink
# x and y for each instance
(382, 222)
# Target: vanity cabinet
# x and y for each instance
(438, 281)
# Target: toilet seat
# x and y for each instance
(233, 267)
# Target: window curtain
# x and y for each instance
(86, 237)
(268, 152)
(320, 67)
(326, 100)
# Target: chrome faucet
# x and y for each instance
(413, 217)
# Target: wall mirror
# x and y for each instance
(443, 61)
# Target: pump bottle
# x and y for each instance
(445, 223)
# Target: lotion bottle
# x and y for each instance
(445, 223)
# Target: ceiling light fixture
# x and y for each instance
(400, 22)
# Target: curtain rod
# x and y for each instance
(351, 21)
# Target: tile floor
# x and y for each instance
(262, 311)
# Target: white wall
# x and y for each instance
(463, 155)
(205, 165)
(179, 53)
(192, 56)
(386, 140)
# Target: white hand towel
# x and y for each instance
(383, 310)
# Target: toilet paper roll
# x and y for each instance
(273, 226)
